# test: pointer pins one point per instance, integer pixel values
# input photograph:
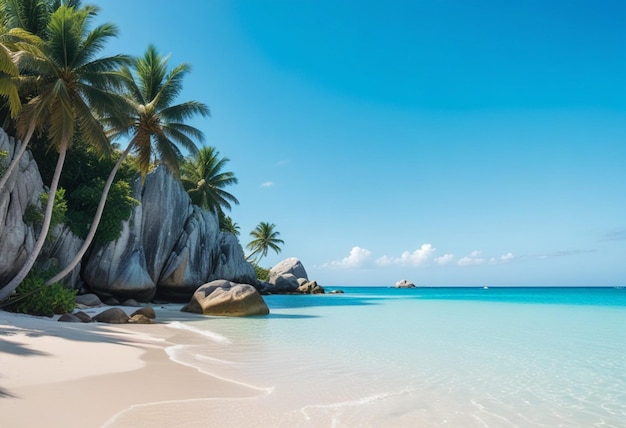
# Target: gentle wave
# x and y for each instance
(177, 353)
(207, 333)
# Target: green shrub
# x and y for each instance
(262, 274)
(118, 208)
(33, 297)
(34, 214)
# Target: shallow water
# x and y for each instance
(422, 357)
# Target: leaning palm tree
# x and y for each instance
(72, 88)
(265, 238)
(204, 180)
(155, 125)
(27, 23)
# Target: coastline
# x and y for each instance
(95, 374)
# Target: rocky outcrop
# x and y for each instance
(404, 284)
(17, 239)
(225, 298)
(289, 276)
(291, 266)
(168, 246)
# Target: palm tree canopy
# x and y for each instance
(74, 88)
(204, 180)
(265, 238)
(32, 15)
(156, 125)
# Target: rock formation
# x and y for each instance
(17, 239)
(404, 284)
(168, 246)
(226, 298)
(289, 276)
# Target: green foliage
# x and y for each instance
(34, 214)
(33, 297)
(262, 274)
(118, 208)
(84, 176)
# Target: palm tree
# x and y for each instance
(21, 21)
(154, 123)
(265, 238)
(227, 225)
(9, 73)
(204, 180)
(72, 89)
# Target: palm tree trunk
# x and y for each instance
(8, 289)
(16, 158)
(94, 224)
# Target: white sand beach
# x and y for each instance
(58, 374)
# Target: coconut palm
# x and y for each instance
(155, 125)
(28, 23)
(265, 238)
(204, 180)
(72, 89)
(227, 225)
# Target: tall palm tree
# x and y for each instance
(228, 225)
(73, 88)
(155, 125)
(28, 22)
(9, 71)
(265, 238)
(204, 180)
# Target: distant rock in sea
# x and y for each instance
(404, 284)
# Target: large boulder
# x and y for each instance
(227, 298)
(291, 266)
(24, 187)
(168, 246)
(404, 284)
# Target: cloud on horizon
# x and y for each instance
(359, 257)
(418, 257)
(267, 184)
(424, 256)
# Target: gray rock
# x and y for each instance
(140, 319)
(311, 287)
(227, 298)
(130, 302)
(24, 187)
(62, 251)
(145, 311)
(336, 292)
(83, 317)
(288, 266)
(284, 283)
(69, 318)
(168, 246)
(404, 284)
(112, 316)
(89, 300)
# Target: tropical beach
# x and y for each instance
(431, 357)
(450, 174)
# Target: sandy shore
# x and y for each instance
(57, 374)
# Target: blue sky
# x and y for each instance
(443, 142)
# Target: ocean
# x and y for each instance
(427, 357)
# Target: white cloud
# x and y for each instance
(358, 258)
(418, 257)
(267, 184)
(445, 259)
(472, 260)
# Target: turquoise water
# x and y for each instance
(459, 357)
